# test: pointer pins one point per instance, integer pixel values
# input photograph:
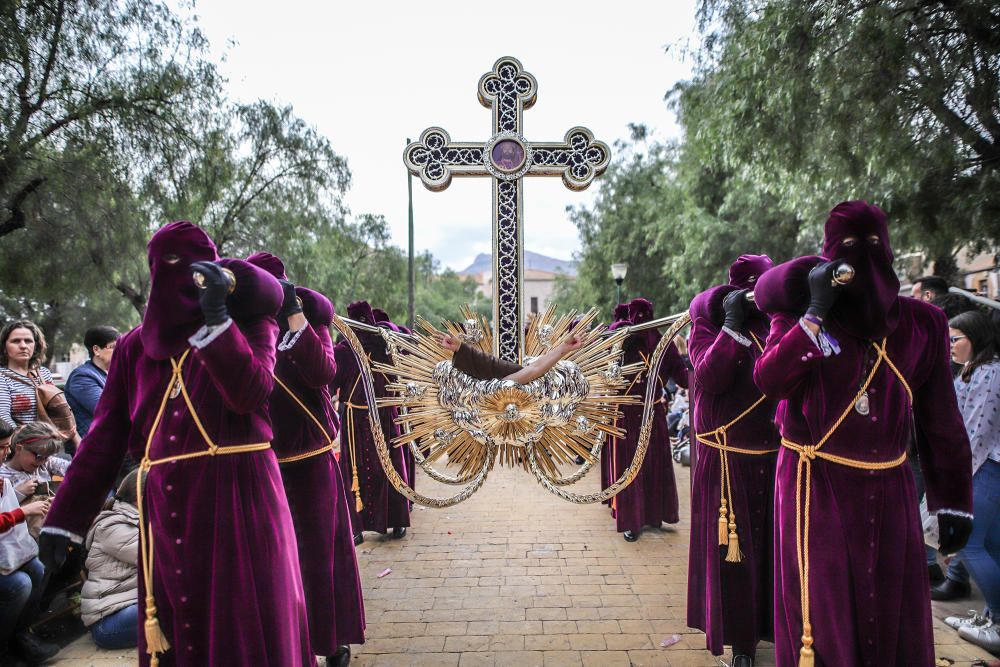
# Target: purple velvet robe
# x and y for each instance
(315, 490)
(226, 573)
(384, 507)
(870, 601)
(731, 602)
(651, 498)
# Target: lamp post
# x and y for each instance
(618, 272)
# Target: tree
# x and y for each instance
(85, 70)
(895, 101)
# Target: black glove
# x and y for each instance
(953, 532)
(215, 289)
(734, 305)
(52, 550)
(823, 292)
(291, 305)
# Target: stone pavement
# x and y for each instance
(516, 576)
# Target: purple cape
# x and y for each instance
(731, 602)
(383, 506)
(314, 485)
(226, 563)
(868, 587)
(651, 498)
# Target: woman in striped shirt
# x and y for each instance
(22, 348)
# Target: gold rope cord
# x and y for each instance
(156, 641)
(322, 429)
(718, 439)
(803, 478)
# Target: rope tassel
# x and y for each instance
(156, 641)
(807, 657)
(733, 555)
(723, 525)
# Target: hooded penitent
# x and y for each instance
(857, 232)
(745, 271)
(173, 313)
(639, 311)
(730, 582)
(269, 263)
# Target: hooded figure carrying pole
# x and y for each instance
(305, 433)
(730, 568)
(187, 396)
(858, 368)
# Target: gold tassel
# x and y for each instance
(156, 641)
(807, 657)
(723, 525)
(356, 488)
(733, 555)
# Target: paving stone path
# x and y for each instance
(516, 576)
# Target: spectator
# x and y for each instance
(33, 465)
(974, 345)
(954, 304)
(928, 288)
(86, 382)
(21, 577)
(109, 599)
(22, 348)
(5, 433)
(677, 410)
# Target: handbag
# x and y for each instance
(929, 523)
(50, 404)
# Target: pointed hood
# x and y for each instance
(173, 313)
(858, 233)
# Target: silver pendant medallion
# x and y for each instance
(862, 407)
(175, 389)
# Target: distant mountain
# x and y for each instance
(532, 261)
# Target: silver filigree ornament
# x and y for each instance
(443, 436)
(583, 426)
(414, 390)
(473, 333)
(498, 412)
(545, 335)
(511, 413)
(614, 373)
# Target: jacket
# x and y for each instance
(83, 389)
(113, 543)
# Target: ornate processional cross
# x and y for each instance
(507, 156)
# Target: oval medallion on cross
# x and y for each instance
(507, 156)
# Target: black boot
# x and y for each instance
(358, 539)
(341, 658)
(951, 590)
(630, 536)
(399, 532)
(935, 574)
(742, 660)
(31, 649)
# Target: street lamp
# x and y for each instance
(618, 272)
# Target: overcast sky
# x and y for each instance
(371, 74)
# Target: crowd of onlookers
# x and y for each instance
(40, 429)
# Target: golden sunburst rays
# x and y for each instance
(454, 419)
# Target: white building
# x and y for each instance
(539, 277)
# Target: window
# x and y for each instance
(534, 304)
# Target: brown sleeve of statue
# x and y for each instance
(480, 365)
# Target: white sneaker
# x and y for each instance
(984, 636)
(974, 619)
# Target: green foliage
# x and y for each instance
(112, 124)
(897, 102)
